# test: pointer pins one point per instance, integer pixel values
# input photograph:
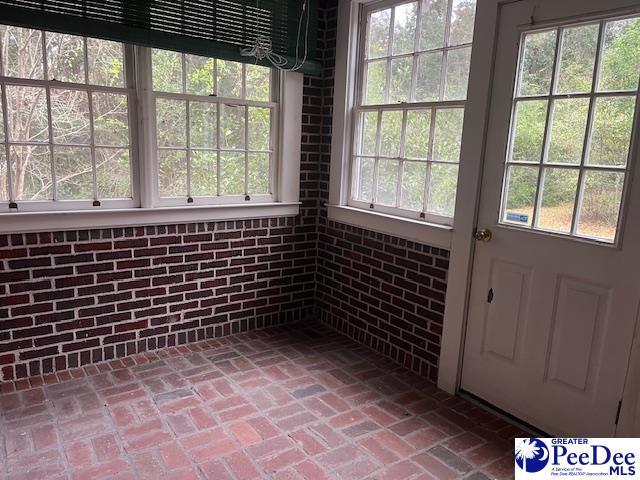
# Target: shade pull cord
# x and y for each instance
(262, 47)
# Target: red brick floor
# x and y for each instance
(297, 403)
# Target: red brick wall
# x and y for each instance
(73, 298)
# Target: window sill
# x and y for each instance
(24, 222)
(407, 228)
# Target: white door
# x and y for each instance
(556, 288)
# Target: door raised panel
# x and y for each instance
(506, 308)
(576, 332)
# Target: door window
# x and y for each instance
(571, 129)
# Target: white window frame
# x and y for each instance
(146, 207)
(435, 230)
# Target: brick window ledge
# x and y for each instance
(25, 222)
(415, 230)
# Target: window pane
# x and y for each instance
(448, 134)
(457, 78)
(462, 18)
(620, 65)
(70, 116)
(442, 189)
(4, 178)
(390, 133)
(434, 18)
(106, 63)
(231, 173)
(577, 59)
(258, 173)
(376, 82)
(204, 174)
(31, 173)
(428, 77)
(401, 69)
(568, 127)
(167, 71)
(172, 173)
(363, 176)
(202, 118)
(199, 75)
(28, 121)
(521, 195)
(417, 136)
(113, 173)
(611, 131)
(259, 128)
(22, 52)
(537, 63)
(258, 83)
(110, 119)
(558, 199)
(229, 78)
(413, 177)
(232, 123)
(528, 131)
(74, 173)
(601, 197)
(404, 28)
(378, 40)
(171, 122)
(387, 182)
(65, 57)
(369, 132)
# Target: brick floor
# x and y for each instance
(296, 403)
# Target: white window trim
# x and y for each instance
(145, 208)
(340, 207)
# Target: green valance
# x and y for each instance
(213, 28)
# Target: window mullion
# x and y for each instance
(147, 132)
(45, 68)
(7, 152)
(246, 151)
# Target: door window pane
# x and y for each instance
(521, 195)
(537, 63)
(577, 59)
(528, 134)
(568, 126)
(558, 199)
(620, 65)
(611, 131)
(601, 198)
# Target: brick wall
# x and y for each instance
(72, 298)
(380, 290)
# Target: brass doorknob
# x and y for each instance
(482, 235)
